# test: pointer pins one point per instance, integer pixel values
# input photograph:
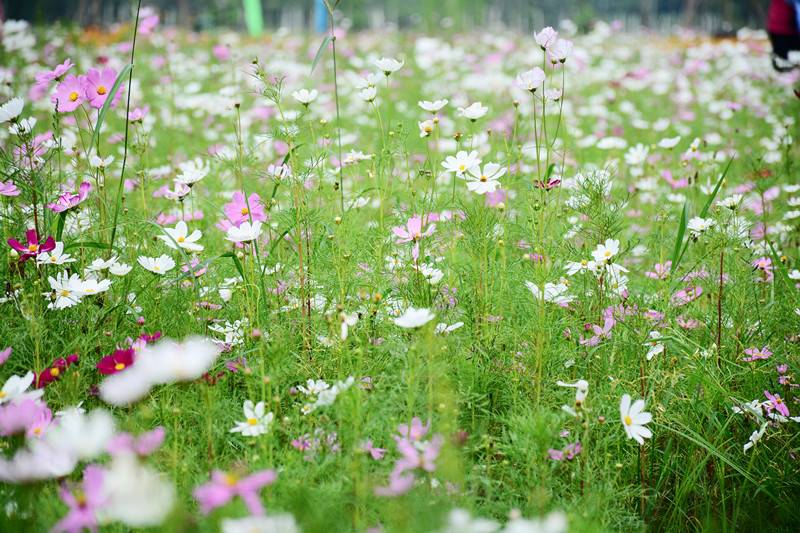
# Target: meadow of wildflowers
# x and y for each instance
(390, 282)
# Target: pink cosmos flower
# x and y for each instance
(776, 403)
(600, 332)
(755, 354)
(143, 445)
(69, 94)
(8, 189)
(44, 78)
(238, 210)
(148, 20)
(413, 230)
(97, 85)
(223, 487)
(16, 417)
(764, 264)
(375, 453)
(5, 354)
(33, 248)
(660, 271)
(83, 503)
(416, 454)
(68, 200)
(685, 296)
(40, 423)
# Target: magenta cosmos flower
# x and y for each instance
(223, 487)
(238, 210)
(82, 502)
(69, 94)
(116, 362)
(68, 200)
(97, 86)
(33, 248)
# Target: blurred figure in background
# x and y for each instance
(783, 21)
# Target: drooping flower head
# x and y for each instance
(33, 247)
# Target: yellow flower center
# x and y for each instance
(230, 479)
(245, 211)
(33, 247)
(119, 366)
(64, 293)
(181, 238)
(54, 372)
(37, 431)
(2, 394)
(73, 96)
(461, 168)
(584, 262)
(484, 178)
(628, 420)
(252, 421)
(53, 259)
(101, 90)
(607, 253)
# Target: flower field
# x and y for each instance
(389, 282)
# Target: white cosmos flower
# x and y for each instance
(546, 37)
(157, 265)
(98, 162)
(606, 251)
(368, 94)
(697, 225)
(347, 320)
(304, 96)
(634, 419)
(120, 269)
(56, 256)
(484, 181)
(460, 521)
(414, 318)
(389, 65)
(473, 111)
(256, 422)
(83, 435)
(277, 523)
(91, 286)
(425, 128)
(461, 162)
(37, 461)
(192, 171)
(432, 107)
(669, 142)
(11, 109)
(134, 493)
(16, 389)
(555, 293)
(179, 237)
(612, 143)
(530, 80)
(100, 264)
(67, 290)
(245, 232)
(656, 347)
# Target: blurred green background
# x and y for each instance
(716, 16)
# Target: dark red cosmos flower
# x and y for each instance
(33, 248)
(54, 371)
(116, 362)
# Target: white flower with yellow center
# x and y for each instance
(179, 237)
(157, 265)
(256, 422)
(634, 419)
(606, 251)
(486, 180)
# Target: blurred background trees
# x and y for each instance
(426, 15)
